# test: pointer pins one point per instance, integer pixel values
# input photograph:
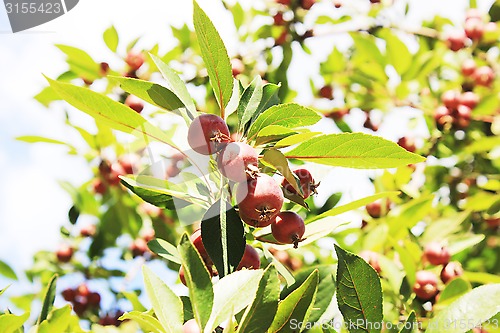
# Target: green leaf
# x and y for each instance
(57, 321)
(110, 37)
(234, 102)
(269, 98)
(183, 36)
(232, 294)
(10, 323)
(260, 314)
(188, 308)
(231, 325)
(294, 139)
(199, 281)
(335, 63)
(152, 93)
(38, 139)
(23, 302)
(368, 56)
(410, 214)
(288, 115)
(112, 113)
(276, 158)
(410, 325)
(481, 277)
(80, 62)
(398, 54)
(444, 227)
(238, 15)
(354, 150)
(214, 56)
(4, 289)
(408, 262)
(147, 322)
(326, 288)
(134, 300)
(297, 305)
(359, 293)
(161, 193)
(223, 235)
(481, 201)
(249, 102)
(273, 133)
(47, 96)
(48, 299)
(7, 271)
(353, 205)
(494, 11)
(176, 85)
(166, 304)
(455, 288)
(165, 250)
(463, 242)
(282, 269)
(475, 307)
(483, 144)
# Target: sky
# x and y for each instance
(32, 205)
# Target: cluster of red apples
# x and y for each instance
(259, 196)
(474, 29)
(427, 285)
(457, 106)
(82, 299)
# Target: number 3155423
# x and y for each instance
(32, 8)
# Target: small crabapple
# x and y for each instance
(138, 247)
(456, 40)
(250, 259)
(237, 66)
(259, 199)
(326, 92)
(450, 99)
(407, 143)
(88, 230)
(207, 134)
(468, 67)
(469, 99)
(69, 294)
(450, 271)
(436, 254)
(375, 210)
(198, 244)
(278, 20)
(64, 253)
(98, 186)
(371, 258)
(474, 29)
(191, 326)
(238, 162)
(307, 184)
(307, 4)
(484, 76)
(135, 103)
(134, 60)
(426, 285)
(288, 228)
